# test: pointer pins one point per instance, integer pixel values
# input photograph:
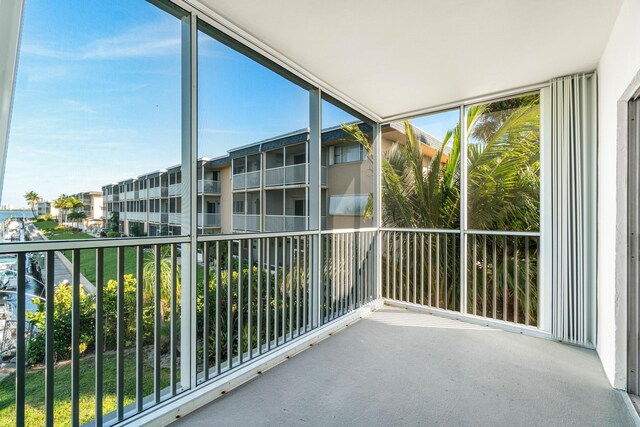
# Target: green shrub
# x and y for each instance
(61, 325)
(113, 234)
(62, 321)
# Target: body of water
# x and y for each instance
(19, 214)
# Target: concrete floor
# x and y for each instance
(398, 367)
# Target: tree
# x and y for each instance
(503, 189)
(60, 204)
(77, 217)
(114, 222)
(32, 199)
(149, 280)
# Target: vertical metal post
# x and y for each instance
(49, 354)
(120, 332)
(315, 205)
(206, 319)
(189, 167)
(463, 210)
(139, 326)
(21, 347)
(377, 210)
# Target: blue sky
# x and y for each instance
(97, 98)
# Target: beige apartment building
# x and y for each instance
(261, 187)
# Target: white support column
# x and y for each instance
(377, 205)
(544, 268)
(10, 28)
(315, 131)
(189, 199)
(463, 210)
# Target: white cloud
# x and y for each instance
(155, 39)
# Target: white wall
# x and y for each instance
(617, 72)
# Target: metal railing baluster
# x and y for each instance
(205, 311)
(173, 328)
(250, 299)
(157, 320)
(229, 313)
(240, 304)
(50, 336)
(139, 325)
(218, 311)
(120, 330)
(21, 345)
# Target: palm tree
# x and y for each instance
(60, 204)
(77, 217)
(32, 199)
(503, 184)
(149, 275)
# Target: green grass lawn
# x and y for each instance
(88, 263)
(45, 225)
(88, 256)
(35, 390)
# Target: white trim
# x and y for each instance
(630, 406)
(11, 12)
(470, 318)
(544, 271)
(189, 401)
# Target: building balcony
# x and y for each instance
(276, 223)
(174, 218)
(290, 175)
(405, 321)
(174, 189)
(208, 219)
(143, 194)
(246, 222)
(136, 216)
(285, 175)
(208, 186)
(242, 181)
(156, 192)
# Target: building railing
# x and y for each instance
(158, 192)
(254, 295)
(246, 180)
(348, 271)
(175, 218)
(249, 296)
(285, 223)
(174, 189)
(143, 193)
(246, 222)
(209, 220)
(286, 175)
(423, 267)
(134, 216)
(208, 186)
(154, 216)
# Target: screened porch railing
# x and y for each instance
(502, 272)
(253, 295)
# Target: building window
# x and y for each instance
(238, 206)
(348, 205)
(347, 153)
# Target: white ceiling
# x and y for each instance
(394, 57)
